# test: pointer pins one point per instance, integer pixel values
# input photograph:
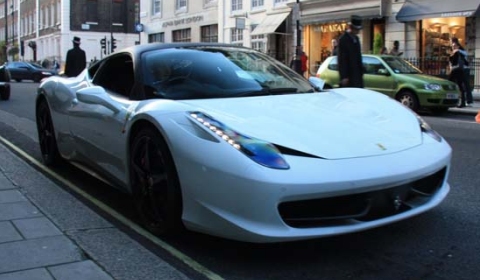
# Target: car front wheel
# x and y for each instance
(46, 135)
(155, 184)
(408, 99)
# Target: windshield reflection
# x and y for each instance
(216, 72)
(400, 66)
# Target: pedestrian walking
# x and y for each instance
(466, 71)
(76, 60)
(350, 55)
(457, 74)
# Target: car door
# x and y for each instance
(18, 70)
(377, 76)
(97, 119)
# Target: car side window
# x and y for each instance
(372, 65)
(116, 74)
(333, 64)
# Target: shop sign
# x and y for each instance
(182, 21)
(458, 14)
(333, 27)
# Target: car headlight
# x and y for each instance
(425, 127)
(259, 151)
(433, 87)
(46, 73)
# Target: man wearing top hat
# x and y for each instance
(350, 55)
(76, 60)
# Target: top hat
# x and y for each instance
(76, 40)
(356, 22)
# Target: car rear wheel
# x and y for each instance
(155, 184)
(46, 135)
(37, 78)
(5, 92)
(408, 99)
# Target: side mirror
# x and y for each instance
(383, 71)
(96, 95)
(317, 83)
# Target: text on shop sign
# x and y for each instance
(182, 21)
(334, 27)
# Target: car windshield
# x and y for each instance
(216, 72)
(400, 66)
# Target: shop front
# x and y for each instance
(436, 26)
(323, 22)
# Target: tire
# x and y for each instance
(5, 93)
(46, 135)
(37, 78)
(155, 185)
(409, 99)
(18, 80)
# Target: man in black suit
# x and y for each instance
(76, 60)
(350, 55)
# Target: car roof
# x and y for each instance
(155, 46)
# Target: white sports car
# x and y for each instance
(227, 141)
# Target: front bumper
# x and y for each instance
(255, 204)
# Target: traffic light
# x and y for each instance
(113, 44)
(103, 44)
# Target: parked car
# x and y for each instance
(20, 70)
(228, 141)
(398, 79)
(4, 83)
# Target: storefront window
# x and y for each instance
(321, 37)
(437, 34)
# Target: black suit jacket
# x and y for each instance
(76, 62)
(350, 60)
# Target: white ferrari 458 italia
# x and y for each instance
(228, 141)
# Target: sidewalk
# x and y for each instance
(473, 110)
(47, 234)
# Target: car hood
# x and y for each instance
(424, 78)
(330, 125)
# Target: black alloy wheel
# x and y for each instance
(155, 184)
(46, 135)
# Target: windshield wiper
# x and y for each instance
(267, 91)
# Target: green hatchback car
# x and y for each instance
(398, 79)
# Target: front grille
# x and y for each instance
(368, 206)
(450, 101)
(430, 100)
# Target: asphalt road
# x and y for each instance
(441, 244)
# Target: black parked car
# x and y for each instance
(4, 83)
(20, 70)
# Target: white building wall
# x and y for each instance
(198, 13)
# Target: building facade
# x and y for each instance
(179, 21)
(50, 25)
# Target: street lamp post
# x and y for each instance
(6, 31)
(297, 63)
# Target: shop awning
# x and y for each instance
(414, 10)
(343, 15)
(270, 24)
